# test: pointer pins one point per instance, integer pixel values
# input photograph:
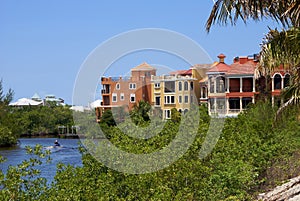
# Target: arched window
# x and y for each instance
(277, 82)
(220, 84)
(180, 86)
(286, 81)
(118, 86)
(186, 86)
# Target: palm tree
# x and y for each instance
(278, 47)
(287, 12)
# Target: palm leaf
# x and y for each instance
(286, 12)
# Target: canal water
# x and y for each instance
(68, 153)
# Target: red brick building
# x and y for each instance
(126, 91)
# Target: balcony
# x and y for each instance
(105, 91)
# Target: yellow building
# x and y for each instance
(177, 90)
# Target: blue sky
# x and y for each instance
(44, 43)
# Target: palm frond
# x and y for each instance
(280, 47)
(287, 12)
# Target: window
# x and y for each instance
(147, 74)
(186, 86)
(167, 114)
(212, 103)
(186, 99)
(169, 99)
(277, 81)
(203, 92)
(220, 84)
(132, 98)
(118, 86)
(246, 102)
(192, 85)
(234, 104)
(157, 100)
(122, 96)
(192, 99)
(157, 85)
(211, 85)
(180, 86)
(114, 97)
(179, 99)
(286, 81)
(221, 104)
(169, 86)
(132, 86)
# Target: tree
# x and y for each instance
(287, 12)
(107, 118)
(278, 47)
(6, 136)
(140, 112)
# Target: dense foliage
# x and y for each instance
(29, 120)
(7, 138)
(233, 171)
(39, 119)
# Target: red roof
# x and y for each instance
(242, 69)
(220, 67)
(181, 72)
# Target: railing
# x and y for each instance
(247, 89)
(169, 77)
(234, 89)
(105, 91)
(244, 89)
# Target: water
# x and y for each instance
(67, 154)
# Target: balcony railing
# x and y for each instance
(244, 89)
(247, 89)
(105, 91)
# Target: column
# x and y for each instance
(253, 79)
(208, 86)
(227, 85)
(215, 105)
(227, 105)
(282, 82)
(241, 104)
(272, 83)
(215, 85)
(241, 84)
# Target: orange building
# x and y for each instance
(126, 91)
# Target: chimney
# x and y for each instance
(221, 58)
(236, 59)
(243, 59)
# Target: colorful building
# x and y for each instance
(126, 91)
(226, 89)
(232, 87)
(177, 90)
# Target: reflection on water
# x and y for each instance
(68, 153)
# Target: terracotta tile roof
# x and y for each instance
(143, 66)
(242, 69)
(220, 67)
(181, 72)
